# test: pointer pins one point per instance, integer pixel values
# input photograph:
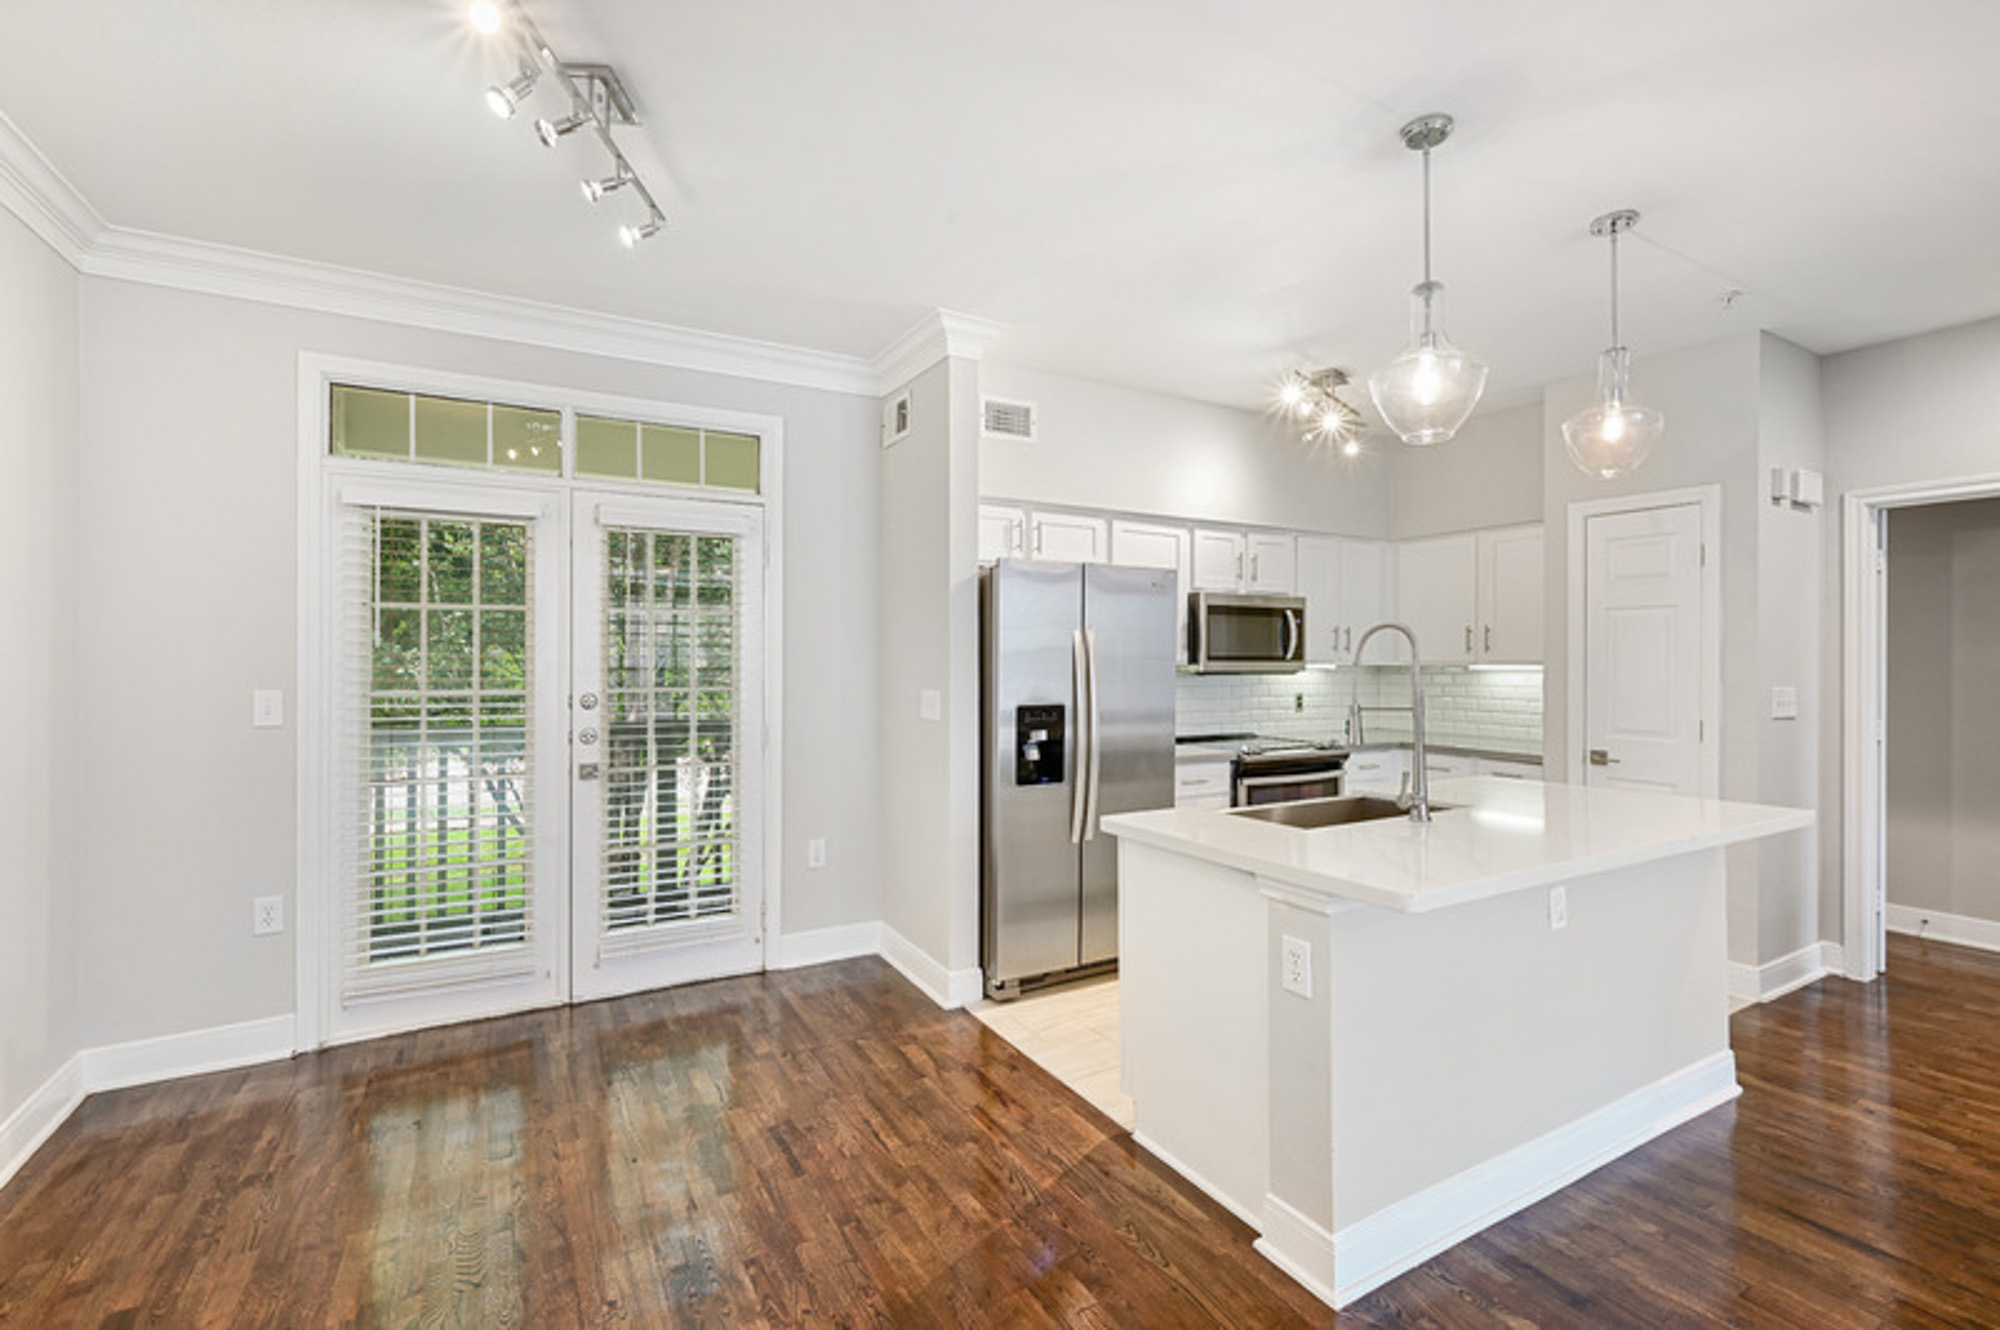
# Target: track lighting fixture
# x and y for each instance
(629, 235)
(593, 190)
(597, 100)
(551, 130)
(1314, 400)
(503, 99)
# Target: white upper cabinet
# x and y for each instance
(1069, 537)
(1437, 595)
(1217, 559)
(1010, 532)
(1003, 532)
(1474, 598)
(1262, 562)
(1510, 596)
(1346, 586)
(1273, 563)
(1150, 545)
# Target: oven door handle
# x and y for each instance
(1293, 778)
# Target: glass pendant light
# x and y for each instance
(1426, 393)
(1614, 434)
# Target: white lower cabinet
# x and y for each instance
(1201, 782)
(1493, 766)
(1446, 766)
(1376, 770)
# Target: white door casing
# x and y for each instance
(1644, 727)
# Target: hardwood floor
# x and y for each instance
(825, 1147)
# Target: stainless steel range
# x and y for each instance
(1275, 771)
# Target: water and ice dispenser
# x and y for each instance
(1038, 745)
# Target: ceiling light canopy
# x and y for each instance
(1427, 392)
(598, 101)
(1614, 435)
(1312, 399)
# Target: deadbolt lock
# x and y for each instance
(588, 701)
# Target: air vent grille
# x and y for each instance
(1007, 420)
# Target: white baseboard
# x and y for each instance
(140, 1062)
(793, 951)
(1371, 1251)
(1774, 979)
(948, 988)
(219, 1048)
(1937, 926)
(36, 1120)
(1213, 1192)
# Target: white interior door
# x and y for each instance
(667, 880)
(1644, 727)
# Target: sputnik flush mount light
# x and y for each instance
(1426, 393)
(1312, 399)
(1614, 434)
(598, 101)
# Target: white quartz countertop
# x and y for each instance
(1502, 835)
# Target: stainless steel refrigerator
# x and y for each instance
(1077, 699)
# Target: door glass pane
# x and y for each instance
(369, 423)
(451, 431)
(732, 461)
(525, 439)
(608, 448)
(671, 674)
(671, 454)
(445, 829)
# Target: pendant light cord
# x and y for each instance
(1427, 216)
(1614, 285)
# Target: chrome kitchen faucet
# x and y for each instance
(1416, 792)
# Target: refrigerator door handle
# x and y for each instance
(1080, 689)
(1096, 748)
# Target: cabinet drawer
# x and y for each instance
(1493, 766)
(1197, 783)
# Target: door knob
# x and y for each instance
(1601, 758)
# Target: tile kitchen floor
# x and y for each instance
(1072, 1033)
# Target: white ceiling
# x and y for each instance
(1184, 195)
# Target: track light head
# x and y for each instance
(593, 190)
(630, 235)
(503, 99)
(551, 130)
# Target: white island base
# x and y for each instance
(1538, 986)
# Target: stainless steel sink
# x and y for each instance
(1310, 813)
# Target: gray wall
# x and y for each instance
(187, 572)
(1943, 824)
(928, 788)
(1490, 474)
(39, 1030)
(1099, 446)
(1913, 411)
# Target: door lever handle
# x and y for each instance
(1602, 758)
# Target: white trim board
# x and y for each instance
(1864, 908)
(947, 988)
(1959, 930)
(1364, 1255)
(33, 190)
(1786, 974)
(821, 946)
(136, 1062)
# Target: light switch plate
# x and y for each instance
(267, 709)
(1558, 908)
(930, 704)
(816, 852)
(1784, 703)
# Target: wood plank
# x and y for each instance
(826, 1147)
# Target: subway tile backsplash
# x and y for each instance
(1494, 709)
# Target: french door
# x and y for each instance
(548, 721)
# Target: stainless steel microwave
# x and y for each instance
(1238, 634)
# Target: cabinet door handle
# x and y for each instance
(1468, 639)
(1489, 638)
(1038, 537)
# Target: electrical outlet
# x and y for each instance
(267, 708)
(1558, 908)
(1298, 701)
(816, 853)
(1295, 963)
(267, 915)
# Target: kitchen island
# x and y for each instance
(1371, 1041)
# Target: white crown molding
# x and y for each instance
(938, 334)
(33, 190)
